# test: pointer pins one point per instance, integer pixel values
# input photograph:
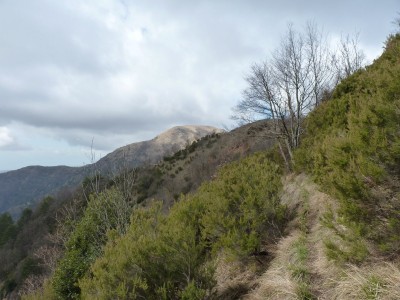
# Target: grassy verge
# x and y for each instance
(298, 268)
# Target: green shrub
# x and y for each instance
(7, 228)
(158, 258)
(44, 205)
(171, 257)
(352, 148)
(105, 212)
(242, 204)
(30, 266)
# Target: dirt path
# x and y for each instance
(299, 268)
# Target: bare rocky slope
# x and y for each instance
(25, 187)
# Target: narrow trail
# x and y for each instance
(300, 268)
(318, 265)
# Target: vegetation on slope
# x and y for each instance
(17, 260)
(352, 149)
(44, 234)
(170, 256)
(125, 246)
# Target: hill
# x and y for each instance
(43, 232)
(224, 219)
(25, 187)
(152, 151)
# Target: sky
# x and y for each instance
(86, 77)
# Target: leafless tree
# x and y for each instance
(319, 56)
(30, 285)
(348, 58)
(292, 82)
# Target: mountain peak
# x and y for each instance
(32, 183)
(185, 134)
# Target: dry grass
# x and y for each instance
(277, 282)
(234, 279)
(328, 280)
(376, 281)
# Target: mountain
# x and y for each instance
(225, 218)
(228, 223)
(25, 187)
(152, 151)
(38, 234)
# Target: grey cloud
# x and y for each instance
(15, 147)
(121, 71)
(49, 39)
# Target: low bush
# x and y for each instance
(172, 256)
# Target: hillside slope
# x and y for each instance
(152, 151)
(25, 187)
(234, 224)
(181, 172)
(352, 150)
(344, 242)
(301, 268)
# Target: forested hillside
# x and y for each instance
(220, 220)
(31, 246)
(24, 188)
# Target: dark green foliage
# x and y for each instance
(24, 218)
(7, 228)
(243, 206)
(352, 147)
(8, 286)
(44, 205)
(30, 266)
(171, 257)
(104, 212)
(94, 184)
(158, 258)
(208, 140)
(18, 259)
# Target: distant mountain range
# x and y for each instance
(27, 186)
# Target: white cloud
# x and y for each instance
(123, 71)
(5, 137)
(9, 142)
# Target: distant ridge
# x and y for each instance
(151, 151)
(25, 187)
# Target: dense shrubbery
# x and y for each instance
(352, 148)
(104, 212)
(7, 228)
(18, 242)
(171, 257)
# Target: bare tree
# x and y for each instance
(286, 87)
(319, 56)
(348, 58)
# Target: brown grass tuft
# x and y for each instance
(277, 282)
(376, 281)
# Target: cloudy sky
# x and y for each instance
(111, 72)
